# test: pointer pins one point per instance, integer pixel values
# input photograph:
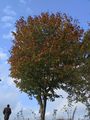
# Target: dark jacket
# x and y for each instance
(7, 112)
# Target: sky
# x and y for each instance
(10, 12)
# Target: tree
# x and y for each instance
(86, 68)
(47, 55)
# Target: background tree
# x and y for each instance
(47, 55)
(86, 68)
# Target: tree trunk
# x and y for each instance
(43, 109)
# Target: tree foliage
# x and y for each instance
(86, 68)
(48, 54)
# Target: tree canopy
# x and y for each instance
(48, 54)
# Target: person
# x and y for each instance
(7, 112)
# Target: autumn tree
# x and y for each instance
(47, 55)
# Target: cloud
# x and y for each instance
(7, 36)
(22, 1)
(10, 82)
(29, 10)
(8, 21)
(8, 18)
(3, 55)
(7, 25)
(8, 10)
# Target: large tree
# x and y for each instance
(47, 55)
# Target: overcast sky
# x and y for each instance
(12, 10)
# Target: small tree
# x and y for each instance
(47, 55)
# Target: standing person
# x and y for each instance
(7, 112)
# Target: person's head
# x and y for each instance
(8, 105)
